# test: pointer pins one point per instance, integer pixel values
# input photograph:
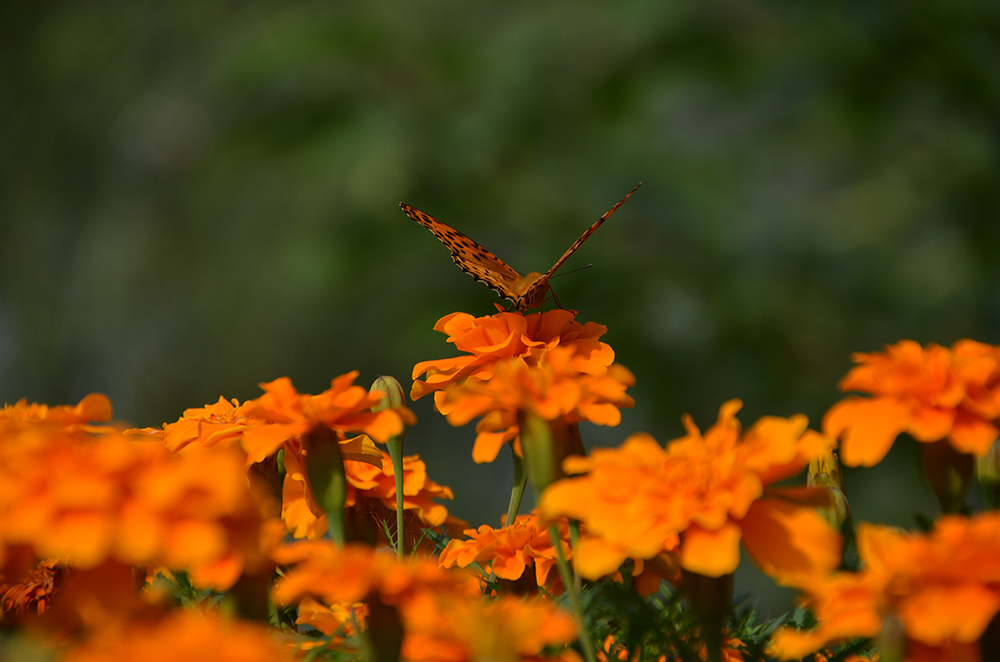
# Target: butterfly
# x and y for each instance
(528, 291)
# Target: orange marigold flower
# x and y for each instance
(350, 574)
(33, 593)
(182, 635)
(931, 393)
(368, 486)
(282, 415)
(76, 418)
(703, 495)
(943, 587)
(335, 620)
(441, 611)
(509, 628)
(487, 341)
(110, 497)
(510, 550)
(287, 414)
(554, 387)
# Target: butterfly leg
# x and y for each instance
(553, 293)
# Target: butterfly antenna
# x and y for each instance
(566, 273)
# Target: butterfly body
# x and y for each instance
(527, 291)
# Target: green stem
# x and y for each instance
(574, 595)
(574, 540)
(396, 453)
(517, 491)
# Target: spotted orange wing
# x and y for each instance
(534, 294)
(528, 291)
(470, 257)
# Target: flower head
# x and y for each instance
(371, 491)
(703, 495)
(943, 587)
(487, 341)
(66, 418)
(510, 550)
(287, 415)
(930, 393)
(553, 388)
(441, 611)
(181, 635)
(91, 499)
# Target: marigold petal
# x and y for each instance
(791, 644)
(930, 423)
(971, 434)
(712, 553)
(262, 441)
(596, 557)
(787, 540)
(487, 446)
(936, 614)
(95, 407)
(361, 449)
(867, 428)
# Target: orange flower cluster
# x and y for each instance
(441, 611)
(510, 550)
(370, 489)
(33, 594)
(488, 341)
(943, 587)
(282, 415)
(86, 499)
(191, 636)
(70, 419)
(930, 393)
(703, 494)
(545, 362)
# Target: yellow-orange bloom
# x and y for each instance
(33, 593)
(88, 499)
(510, 550)
(371, 491)
(191, 636)
(282, 415)
(66, 418)
(703, 495)
(554, 387)
(441, 611)
(487, 341)
(943, 587)
(930, 393)
(287, 414)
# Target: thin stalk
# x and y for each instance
(517, 491)
(574, 594)
(396, 453)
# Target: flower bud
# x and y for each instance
(825, 472)
(393, 396)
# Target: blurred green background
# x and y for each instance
(198, 196)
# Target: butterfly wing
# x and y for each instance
(471, 258)
(535, 293)
(590, 231)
